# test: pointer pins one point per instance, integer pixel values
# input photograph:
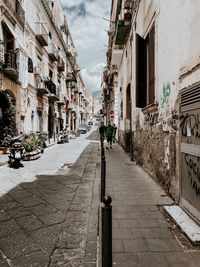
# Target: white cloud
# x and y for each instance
(88, 30)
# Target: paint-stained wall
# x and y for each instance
(156, 140)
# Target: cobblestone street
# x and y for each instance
(53, 220)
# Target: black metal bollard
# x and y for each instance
(102, 153)
(132, 158)
(107, 232)
(103, 177)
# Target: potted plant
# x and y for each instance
(5, 143)
(32, 144)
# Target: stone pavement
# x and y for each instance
(53, 221)
(3, 159)
(142, 235)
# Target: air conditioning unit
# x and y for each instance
(37, 70)
(128, 4)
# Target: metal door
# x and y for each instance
(190, 151)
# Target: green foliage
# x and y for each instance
(7, 122)
(31, 142)
(75, 132)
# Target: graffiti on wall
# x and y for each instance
(165, 94)
(151, 118)
(193, 168)
(190, 125)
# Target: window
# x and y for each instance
(145, 69)
(8, 38)
(39, 64)
(128, 102)
(51, 74)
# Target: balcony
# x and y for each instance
(61, 101)
(1, 53)
(76, 89)
(73, 85)
(70, 77)
(41, 34)
(52, 91)
(69, 51)
(53, 52)
(10, 66)
(61, 65)
(116, 57)
(122, 31)
(11, 4)
(20, 13)
(41, 85)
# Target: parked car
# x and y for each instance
(90, 123)
(83, 129)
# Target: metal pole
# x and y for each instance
(54, 136)
(107, 232)
(131, 134)
(103, 177)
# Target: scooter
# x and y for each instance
(63, 137)
(16, 153)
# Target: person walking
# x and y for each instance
(102, 129)
(109, 135)
(114, 134)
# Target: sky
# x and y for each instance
(88, 30)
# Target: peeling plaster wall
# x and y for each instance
(177, 65)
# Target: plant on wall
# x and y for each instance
(7, 119)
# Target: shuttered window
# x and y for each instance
(145, 69)
(151, 67)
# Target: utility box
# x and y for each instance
(190, 151)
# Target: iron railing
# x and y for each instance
(10, 60)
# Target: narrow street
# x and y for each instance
(99, 133)
(52, 221)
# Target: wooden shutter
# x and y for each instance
(151, 66)
(141, 72)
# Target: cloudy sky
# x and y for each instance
(89, 34)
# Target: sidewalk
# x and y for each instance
(142, 235)
(3, 159)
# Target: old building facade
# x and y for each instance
(39, 67)
(151, 81)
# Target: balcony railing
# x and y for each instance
(20, 13)
(52, 90)
(1, 53)
(61, 65)
(11, 4)
(122, 31)
(73, 85)
(76, 89)
(61, 99)
(10, 66)
(53, 52)
(41, 34)
(70, 77)
(41, 85)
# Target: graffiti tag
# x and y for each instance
(165, 94)
(151, 118)
(193, 173)
(190, 124)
